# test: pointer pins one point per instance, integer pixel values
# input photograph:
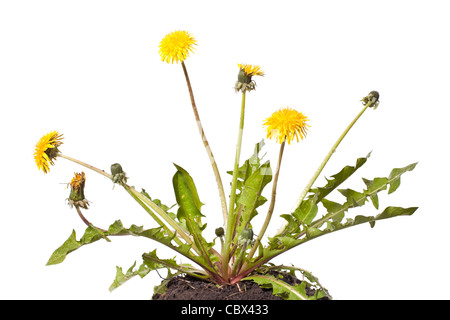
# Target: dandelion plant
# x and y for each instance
(239, 252)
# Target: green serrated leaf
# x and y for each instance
(391, 212)
(250, 197)
(394, 177)
(307, 210)
(68, 246)
(334, 207)
(121, 278)
(250, 166)
(376, 185)
(339, 178)
(153, 262)
(281, 288)
(93, 234)
(313, 282)
(354, 198)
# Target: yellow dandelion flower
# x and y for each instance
(246, 72)
(286, 124)
(251, 70)
(47, 150)
(176, 46)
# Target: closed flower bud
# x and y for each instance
(116, 168)
(118, 176)
(220, 232)
(246, 237)
(247, 234)
(372, 98)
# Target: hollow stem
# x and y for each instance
(86, 221)
(152, 214)
(238, 260)
(84, 164)
(231, 221)
(206, 144)
(271, 206)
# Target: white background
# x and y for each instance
(91, 70)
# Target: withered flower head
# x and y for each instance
(76, 197)
(246, 72)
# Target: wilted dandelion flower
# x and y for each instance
(47, 150)
(286, 124)
(246, 72)
(251, 70)
(76, 197)
(176, 46)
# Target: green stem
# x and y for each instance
(271, 206)
(86, 221)
(238, 260)
(163, 215)
(231, 221)
(206, 144)
(102, 172)
(152, 214)
(324, 162)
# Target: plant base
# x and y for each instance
(191, 288)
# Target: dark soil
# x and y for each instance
(191, 288)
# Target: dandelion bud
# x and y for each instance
(246, 237)
(220, 232)
(116, 168)
(247, 234)
(373, 97)
(118, 175)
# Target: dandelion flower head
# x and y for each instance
(176, 46)
(286, 124)
(251, 70)
(47, 150)
(245, 82)
(78, 181)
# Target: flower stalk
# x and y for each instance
(370, 101)
(231, 221)
(271, 206)
(206, 144)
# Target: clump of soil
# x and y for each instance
(191, 288)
